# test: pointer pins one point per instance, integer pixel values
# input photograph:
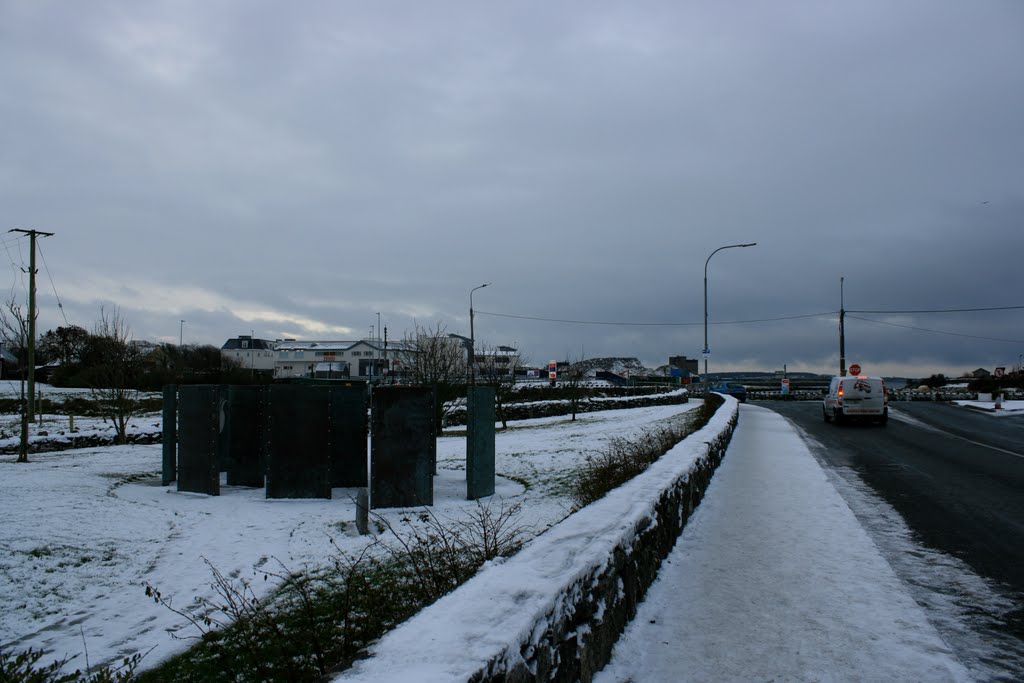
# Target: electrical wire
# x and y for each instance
(49, 275)
(925, 329)
(948, 310)
(763, 320)
(634, 324)
(21, 268)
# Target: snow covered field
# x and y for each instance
(58, 427)
(84, 530)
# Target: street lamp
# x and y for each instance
(707, 351)
(181, 332)
(472, 346)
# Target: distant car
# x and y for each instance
(856, 398)
(734, 389)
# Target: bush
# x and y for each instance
(318, 622)
(623, 459)
(25, 667)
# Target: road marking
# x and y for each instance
(985, 445)
(903, 417)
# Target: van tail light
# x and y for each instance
(840, 395)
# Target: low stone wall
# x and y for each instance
(554, 611)
(46, 444)
(535, 409)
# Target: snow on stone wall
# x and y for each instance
(554, 611)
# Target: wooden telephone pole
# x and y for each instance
(842, 330)
(32, 234)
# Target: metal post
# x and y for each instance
(181, 332)
(472, 339)
(842, 332)
(707, 351)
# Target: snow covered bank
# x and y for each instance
(1005, 407)
(559, 605)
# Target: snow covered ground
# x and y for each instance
(1005, 408)
(49, 427)
(84, 530)
(774, 578)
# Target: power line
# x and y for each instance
(50, 276)
(925, 329)
(644, 324)
(787, 317)
(948, 310)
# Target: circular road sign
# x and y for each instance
(854, 369)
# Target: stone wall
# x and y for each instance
(575, 646)
(535, 409)
(554, 611)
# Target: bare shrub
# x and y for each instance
(318, 621)
(24, 666)
(440, 556)
(622, 459)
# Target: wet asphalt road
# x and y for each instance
(956, 476)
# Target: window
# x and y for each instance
(245, 343)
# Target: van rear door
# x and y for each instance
(863, 396)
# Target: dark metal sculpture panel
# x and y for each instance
(298, 457)
(480, 443)
(244, 452)
(348, 436)
(199, 426)
(403, 447)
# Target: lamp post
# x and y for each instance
(707, 351)
(472, 345)
(181, 332)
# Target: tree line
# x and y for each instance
(72, 356)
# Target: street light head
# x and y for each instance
(752, 244)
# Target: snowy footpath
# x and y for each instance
(773, 578)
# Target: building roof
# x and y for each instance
(292, 345)
(256, 344)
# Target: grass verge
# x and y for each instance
(623, 459)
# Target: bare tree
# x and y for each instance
(573, 383)
(430, 357)
(501, 365)
(114, 380)
(14, 330)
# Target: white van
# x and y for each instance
(856, 398)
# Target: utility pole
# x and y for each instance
(842, 332)
(32, 234)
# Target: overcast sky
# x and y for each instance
(294, 169)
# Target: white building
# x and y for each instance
(249, 353)
(365, 358)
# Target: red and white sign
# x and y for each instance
(1000, 372)
(854, 369)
